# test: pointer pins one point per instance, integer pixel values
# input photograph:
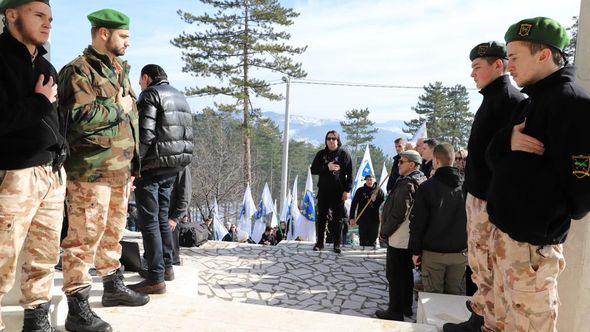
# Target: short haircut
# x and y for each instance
(94, 31)
(431, 142)
(335, 133)
(490, 60)
(444, 153)
(155, 72)
(400, 140)
(557, 56)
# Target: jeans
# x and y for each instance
(152, 195)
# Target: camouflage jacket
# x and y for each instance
(104, 140)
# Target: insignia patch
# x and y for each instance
(581, 166)
(482, 49)
(525, 29)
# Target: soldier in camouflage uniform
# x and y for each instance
(540, 177)
(32, 180)
(96, 97)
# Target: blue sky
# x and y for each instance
(397, 42)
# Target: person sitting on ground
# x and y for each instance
(268, 238)
(438, 235)
(232, 235)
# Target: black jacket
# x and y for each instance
(533, 198)
(332, 184)
(360, 199)
(180, 197)
(438, 220)
(500, 98)
(165, 128)
(394, 174)
(30, 131)
(426, 168)
(399, 203)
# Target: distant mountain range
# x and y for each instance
(312, 130)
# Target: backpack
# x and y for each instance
(192, 234)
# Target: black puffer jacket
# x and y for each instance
(30, 131)
(165, 129)
(438, 221)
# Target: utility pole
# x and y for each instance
(285, 159)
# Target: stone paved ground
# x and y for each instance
(291, 275)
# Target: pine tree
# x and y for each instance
(432, 107)
(446, 112)
(457, 122)
(359, 131)
(232, 44)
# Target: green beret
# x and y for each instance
(491, 49)
(541, 30)
(110, 19)
(5, 4)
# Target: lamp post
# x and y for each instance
(285, 158)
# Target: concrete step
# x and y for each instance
(178, 313)
(438, 309)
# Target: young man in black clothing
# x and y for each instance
(437, 226)
(334, 167)
(489, 66)
(427, 150)
(540, 175)
(32, 179)
(400, 145)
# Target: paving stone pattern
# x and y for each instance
(291, 275)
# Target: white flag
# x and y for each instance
(308, 216)
(420, 133)
(384, 175)
(294, 214)
(264, 208)
(365, 168)
(247, 211)
(218, 228)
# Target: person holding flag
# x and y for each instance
(368, 221)
(334, 167)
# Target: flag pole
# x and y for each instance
(369, 202)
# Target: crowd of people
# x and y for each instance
(496, 213)
(81, 138)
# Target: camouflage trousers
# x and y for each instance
(31, 215)
(97, 217)
(479, 255)
(526, 281)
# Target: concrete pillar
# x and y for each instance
(574, 283)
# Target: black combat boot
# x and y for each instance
(474, 323)
(36, 319)
(81, 318)
(116, 293)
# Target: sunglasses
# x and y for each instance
(331, 139)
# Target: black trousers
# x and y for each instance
(327, 203)
(399, 274)
(368, 228)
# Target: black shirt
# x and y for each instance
(29, 127)
(500, 98)
(332, 184)
(533, 198)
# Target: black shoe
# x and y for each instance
(388, 315)
(36, 319)
(80, 317)
(474, 324)
(116, 293)
(168, 274)
(337, 250)
(317, 247)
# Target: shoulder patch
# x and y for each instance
(581, 166)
